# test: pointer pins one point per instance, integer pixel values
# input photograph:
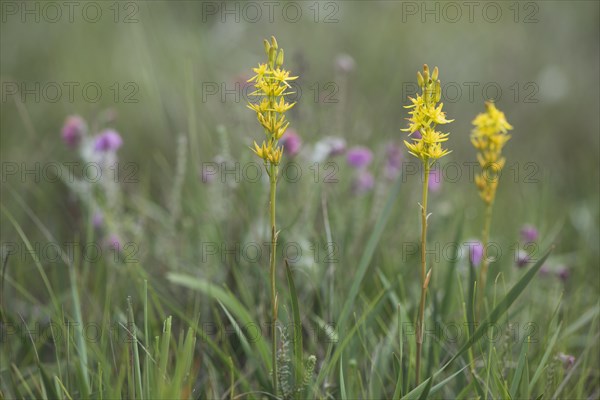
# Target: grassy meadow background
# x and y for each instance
(171, 76)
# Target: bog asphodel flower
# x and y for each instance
(426, 144)
(272, 85)
(489, 137)
(425, 116)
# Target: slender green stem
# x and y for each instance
(419, 328)
(273, 180)
(485, 237)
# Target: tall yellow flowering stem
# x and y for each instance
(272, 270)
(489, 137)
(425, 116)
(271, 84)
(424, 280)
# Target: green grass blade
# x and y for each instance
(496, 313)
(514, 387)
(147, 393)
(365, 259)
(544, 360)
(229, 301)
(346, 340)
(298, 350)
(164, 356)
(398, 390)
(448, 294)
(36, 260)
(425, 392)
(136, 353)
(343, 394)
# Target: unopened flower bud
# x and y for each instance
(279, 61)
(420, 80)
(426, 72)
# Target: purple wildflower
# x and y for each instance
(328, 147)
(522, 258)
(97, 219)
(113, 242)
(345, 63)
(73, 130)
(416, 135)
(435, 180)
(566, 359)
(359, 157)
(363, 182)
(291, 142)
(108, 140)
(393, 161)
(563, 273)
(475, 252)
(529, 234)
(337, 146)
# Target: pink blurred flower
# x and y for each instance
(345, 63)
(363, 182)
(563, 273)
(108, 140)
(393, 161)
(475, 252)
(522, 258)
(328, 147)
(435, 180)
(291, 142)
(73, 130)
(337, 146)
(97, 219)
(529, 233)
(113, 242)
(566, 359)
(359, 157)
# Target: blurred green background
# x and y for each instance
(540, 60)
(167, 69)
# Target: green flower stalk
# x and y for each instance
(271, 84)
(489, 137)
(425, 116)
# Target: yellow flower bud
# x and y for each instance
(279, 61)
(420, 80)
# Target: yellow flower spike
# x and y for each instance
(424, 116)
(271, 81)
(489, 137)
